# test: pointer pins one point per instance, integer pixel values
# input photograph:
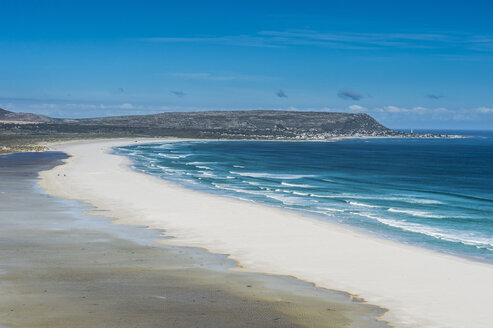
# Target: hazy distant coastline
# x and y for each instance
(28, 132)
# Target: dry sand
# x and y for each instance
(421, 288)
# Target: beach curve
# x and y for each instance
(421, 288)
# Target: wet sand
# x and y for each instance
(60, 267)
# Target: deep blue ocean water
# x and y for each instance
(435, 193)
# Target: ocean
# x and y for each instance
(433, 193)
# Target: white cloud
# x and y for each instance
(44, 106)
(392, 109)
(414, 110)
(484, 110)
(127, 106)
(357, 108)
(193, 75)
(8, 106)
(434, 114)
(95, 106)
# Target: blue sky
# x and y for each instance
(413, 64)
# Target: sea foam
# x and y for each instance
(421, 214)
(270, 175)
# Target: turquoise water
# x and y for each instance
(435, 193)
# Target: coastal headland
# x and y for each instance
(30, 132)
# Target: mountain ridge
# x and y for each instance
(6, 115)
(249, 121)
(260, 124)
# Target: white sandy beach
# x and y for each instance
(421, 288)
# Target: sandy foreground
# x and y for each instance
(60, 267)
(421, 288)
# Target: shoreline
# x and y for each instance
(41, 146)
(304, 213)
(414, 298)
(62, 267)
